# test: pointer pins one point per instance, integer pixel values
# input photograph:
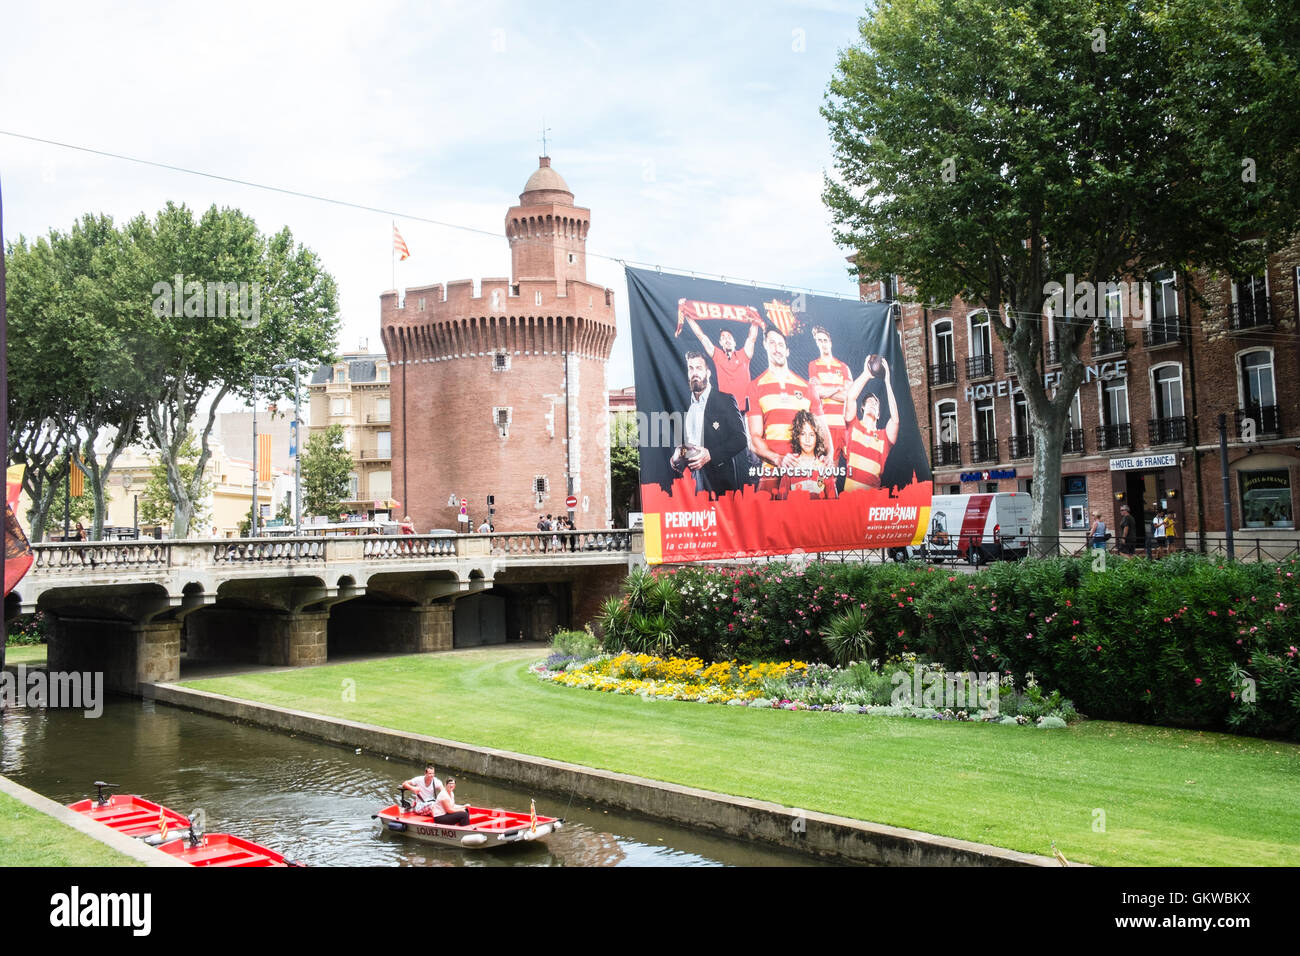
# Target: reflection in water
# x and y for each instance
(313, 801)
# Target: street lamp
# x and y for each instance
(296, 449)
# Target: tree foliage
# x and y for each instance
(326, 472)
(118, 333)
(157, 506)
(986, 148)
(196, 354)
(624, 467)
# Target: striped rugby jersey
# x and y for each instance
(866, 459)
(834, 373)
(776, 401)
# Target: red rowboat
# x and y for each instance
(133, 816)
(487, 828)
(222, 849)
(172, 832)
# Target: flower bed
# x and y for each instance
(1187, 641)
(858, 689)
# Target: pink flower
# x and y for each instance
(1168, 620)
(1098, 647)
(900, 633)
(1198, 682)
(787, 640)
(1214, 614)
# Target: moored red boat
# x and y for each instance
(222, 849)
(172, 832)
(488, 828)
(133, 816)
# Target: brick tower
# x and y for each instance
(498, 386)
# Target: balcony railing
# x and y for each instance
(947, 453)
(1108, 341)
(979, 366)
(1022, 446)
(984, 450)
(379, 418)
(1167, 332)
(944, 373)
(1115, 436)
(1073, 444)
(1263, 419)
(1250, 313)
(1167, 431)
(376, 454)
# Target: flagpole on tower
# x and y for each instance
(394, 257)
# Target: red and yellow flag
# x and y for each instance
(264, 457)
(399, 245)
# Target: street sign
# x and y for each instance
(571, 502)
(464, 502)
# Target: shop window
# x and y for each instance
(1266, 499)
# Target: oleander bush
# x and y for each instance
(1186, 641)
(27, 629)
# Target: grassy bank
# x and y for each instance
(1107, 793)
(30, 838)
(26, 653)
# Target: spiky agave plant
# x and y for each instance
(848, 637)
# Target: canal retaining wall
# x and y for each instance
(819, 834)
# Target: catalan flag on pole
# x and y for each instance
(399, 245)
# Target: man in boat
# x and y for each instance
(426, 790)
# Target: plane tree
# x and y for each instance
(986, 149)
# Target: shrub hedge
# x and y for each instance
(1186, 641)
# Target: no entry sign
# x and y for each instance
(571, 502)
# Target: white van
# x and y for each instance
(975, 528)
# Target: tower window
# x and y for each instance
(501, 418)
(540, 485)
(537, 297)
(572, 258)
(500, 361)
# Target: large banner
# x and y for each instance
(771, 422)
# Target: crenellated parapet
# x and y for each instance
(531, 317)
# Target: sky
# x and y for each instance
(691, 130)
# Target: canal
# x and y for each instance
(312, 800)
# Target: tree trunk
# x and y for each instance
(1049, 441)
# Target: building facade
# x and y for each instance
(498, 385)
(353, 392)
(1143, 428)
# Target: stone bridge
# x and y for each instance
(126, 608)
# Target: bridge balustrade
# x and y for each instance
(81, 555)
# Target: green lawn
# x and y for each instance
(1107, 793)
(25, 653)
(30, 838)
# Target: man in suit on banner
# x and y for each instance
(714, 433)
